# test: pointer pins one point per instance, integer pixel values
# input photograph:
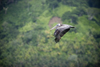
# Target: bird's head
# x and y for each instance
(56, 26)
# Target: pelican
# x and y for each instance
(61, 29)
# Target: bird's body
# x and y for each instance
(61, 29)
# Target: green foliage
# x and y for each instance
(94, 3)
(52, 3)
(74, 2)
(71, 16)
(63, 9)
(26, 39)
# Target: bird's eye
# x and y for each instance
(58, 24)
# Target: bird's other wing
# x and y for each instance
(57, 31)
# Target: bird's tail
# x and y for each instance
(72, 27)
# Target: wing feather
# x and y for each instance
(63, 32)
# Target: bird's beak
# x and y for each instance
(53, 28)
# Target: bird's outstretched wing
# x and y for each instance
(63, 32)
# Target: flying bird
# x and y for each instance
(61, 29)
